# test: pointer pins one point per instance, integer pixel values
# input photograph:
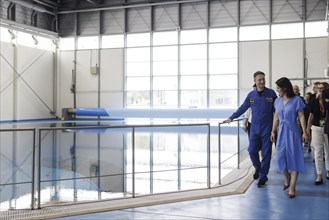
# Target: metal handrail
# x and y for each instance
(133, 127)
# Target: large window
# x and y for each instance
(138, 84)
(165, 76)
(316, 29)
(286, 31)
(113, 41)
(188, 68)
(255, 33)
(66, 43)
(88, 42)
(223, 77)
(193, 36)
(223, 34)
(193, 69)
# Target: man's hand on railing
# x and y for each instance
(227, 121)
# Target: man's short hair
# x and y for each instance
(316, 83)
(258, 73)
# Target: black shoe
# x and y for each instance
(318, 182)
(261, 183)
(256, 175)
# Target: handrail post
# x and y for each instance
(219, 156)
(208, 159)
(33, 169)
(39, 171)
(133, 162)
(238, 142)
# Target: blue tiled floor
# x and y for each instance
(271, 202)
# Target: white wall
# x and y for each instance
(35, 84)
(286, 59)
(112, 75)
(254, 56)
(87, 84)
(26, 82)
(316, 53)
(66, 65)
(6, 81)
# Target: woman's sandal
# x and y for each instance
(287, 186)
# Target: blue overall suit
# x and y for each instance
(262, 108)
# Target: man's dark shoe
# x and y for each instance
(256, 175)
(261, 183)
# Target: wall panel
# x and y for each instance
(4, 8)
(87, 100)
(287, 11)
(253, 56)
(112, 63)
(315, 10)
(66, 25)
(35, 84)
(88, 23)
(7, 74)
(112, 77)
(112, 100)
(223, 13)
(194, 16)
(139, 20)
(317, 56)
(287, 59)
(254, 12)
(165, 18)
(113, 22)
(66, 63)
(85, 80)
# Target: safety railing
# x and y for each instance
(133, 131)
(36, 180)
(239, 150)
(32, 181)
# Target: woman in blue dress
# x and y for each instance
(286, 134)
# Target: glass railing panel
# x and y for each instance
(90, 163)
(15, 196)
(166, 155)
(16, 166)
(233, 144)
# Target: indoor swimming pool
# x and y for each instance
(46, 163)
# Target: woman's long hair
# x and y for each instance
(285, 84)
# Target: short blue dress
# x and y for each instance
(289, 151)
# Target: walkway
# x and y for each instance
(271, 202)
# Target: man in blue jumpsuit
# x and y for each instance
(261, 102)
